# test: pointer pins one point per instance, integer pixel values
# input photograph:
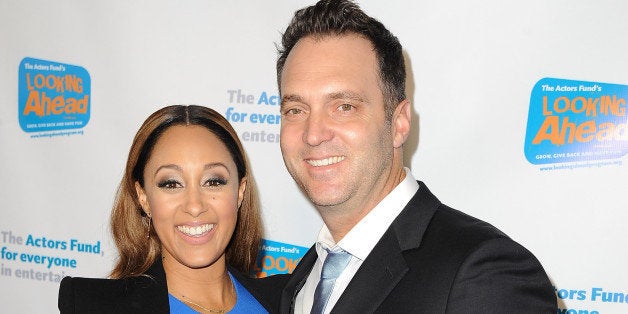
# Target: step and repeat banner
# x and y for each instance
(519, 119)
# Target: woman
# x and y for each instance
(186, 223)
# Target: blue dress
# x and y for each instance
(245, 302)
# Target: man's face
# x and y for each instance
(336, 141)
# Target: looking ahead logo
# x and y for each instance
(277, 258)
(574, 121)
(53, 96)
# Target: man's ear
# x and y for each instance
(141, 196)
(401, 121)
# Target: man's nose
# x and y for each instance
(317, 129)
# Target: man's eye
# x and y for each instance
(294, 111)
(346, 107)
(168, 184)
(215, 182)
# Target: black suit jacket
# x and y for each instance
(147, 293)
(435, 259)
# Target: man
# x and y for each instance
(345, 118)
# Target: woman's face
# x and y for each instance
(192, 191)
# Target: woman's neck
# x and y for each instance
(201, 288)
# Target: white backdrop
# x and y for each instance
(473, 66)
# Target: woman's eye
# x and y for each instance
(215, 182)
(169, 184)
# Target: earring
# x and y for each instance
(150, 218)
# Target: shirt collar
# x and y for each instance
(361, 239)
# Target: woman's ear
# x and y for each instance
(241, 191)
(141, 196)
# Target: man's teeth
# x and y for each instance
(326, 161)
(196, 231)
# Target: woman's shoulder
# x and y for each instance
(77, 294)
(89, 285)
(97, 295)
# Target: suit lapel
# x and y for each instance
(413, 220)
(385, 266)
(152, 292)
(378, 275)
(297, 280)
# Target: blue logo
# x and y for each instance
(52, 96)
(278, 258)
(571, 121)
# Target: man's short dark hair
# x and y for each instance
(342, 17)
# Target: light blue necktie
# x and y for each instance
(334, 264)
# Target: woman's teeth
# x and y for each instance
(196, 231)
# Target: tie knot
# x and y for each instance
(334, 264)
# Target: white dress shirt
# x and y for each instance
(359, 242)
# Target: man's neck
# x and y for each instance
(341, 218)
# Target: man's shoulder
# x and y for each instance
(480, 257)
(455, 237)
(426, 219)
(451, 222)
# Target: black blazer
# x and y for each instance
(146, 294)
(435, 259)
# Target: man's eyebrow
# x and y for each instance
(345, 94)
(290, 98)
